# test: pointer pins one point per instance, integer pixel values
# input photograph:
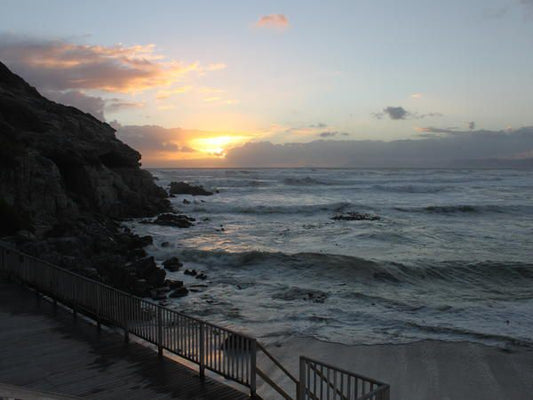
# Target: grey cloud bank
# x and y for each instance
(458, 149)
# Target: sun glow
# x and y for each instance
(218, 145)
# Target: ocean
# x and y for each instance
(450, 257)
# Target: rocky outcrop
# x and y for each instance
(58, 163)
(175, 220)
(65, 182)
(186, 188)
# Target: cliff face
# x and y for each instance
(58, 164)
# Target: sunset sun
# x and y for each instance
(217, 145)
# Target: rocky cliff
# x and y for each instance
(65, 182)
(58, 163)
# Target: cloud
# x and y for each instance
(399, 113)
(89, 104)
(62, 65)
(395, 112)
(113, 105)
(458, 150)
(273, 21)
(166, 93)
(332, 134)
(149, 139)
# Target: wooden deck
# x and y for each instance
(51, 351)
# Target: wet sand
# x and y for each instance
(427, 370)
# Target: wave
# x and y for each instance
(281, 209)
(469, 209)
(411, 188)
(326, 266)
(305, 181)
(467, 333)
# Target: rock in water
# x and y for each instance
(185, 188)
(168, 219)
(172, 264)
(355, 216)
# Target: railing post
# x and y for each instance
(98, 307)
(253, 368)
(202, 350)
(300, 391)
(159, 332)
(125, 318)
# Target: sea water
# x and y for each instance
(450, 257)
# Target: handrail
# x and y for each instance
(331, 385)
(225, 352)
(318, 384)
(278, 364)
(273, 384)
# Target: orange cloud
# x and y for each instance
(276, 21)
(59, 65)
(166, 93)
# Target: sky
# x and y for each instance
(212, 83)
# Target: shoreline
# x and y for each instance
(424, 370)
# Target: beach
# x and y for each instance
(425, 370)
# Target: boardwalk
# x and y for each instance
(57, 353)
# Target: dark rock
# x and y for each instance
(179, 292)
(172, 264)
(201, 276)
(146, 268)
(191, 272)
(173, 284)
(165, 244)
(185, 201)
(65, 177)
(176, 220)
(185, 188)
(355, 216)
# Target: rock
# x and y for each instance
(172, 264)
(185, 188)
(179, 292)
(185, 201)
(165, 244)
(67, 179)
(173, 284)
(159, 294)
(201, 276)
(146, 268)
(176, 220)
(191, 272)
(355, 216)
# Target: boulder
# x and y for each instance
(186, 188)
(179, 292)
(172, 264)
(168, 219)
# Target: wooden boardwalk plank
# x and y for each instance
(52, 351)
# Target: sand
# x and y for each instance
(426, 370)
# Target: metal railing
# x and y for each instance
(228, 353)
(223, 351)
(319, 380)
